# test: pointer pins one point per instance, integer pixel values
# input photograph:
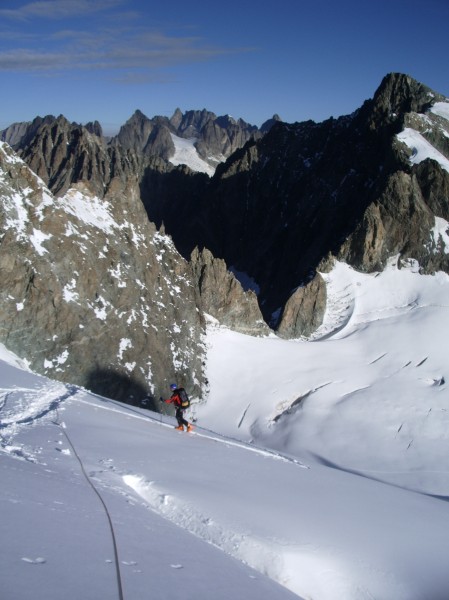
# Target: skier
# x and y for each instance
(176, 399)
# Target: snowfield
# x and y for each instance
(186, 154)
(317, 469)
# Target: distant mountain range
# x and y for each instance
(255, 216)
(200, 137)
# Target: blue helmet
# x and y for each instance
(173, 386)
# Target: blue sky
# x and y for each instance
(103, 59)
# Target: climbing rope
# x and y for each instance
(111, 527)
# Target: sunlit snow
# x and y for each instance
(90, 210)
(186, 154)
(421, 148)
(441, 109)
(316, 469)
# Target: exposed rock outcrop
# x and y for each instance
(304, 310)
(63, 153)
(222, 296)
(91, 292)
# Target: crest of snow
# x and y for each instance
(441, 109)
(144, 317)
(101, 313)
(440, 232)
(175, 290)
(90, 210)
(130, 366)
(132, 317)
(186, 154)
(125, 343)
(176, 356)
(37, 238)
(421, 148)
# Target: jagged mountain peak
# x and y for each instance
(399, 93)
(137, 117)
(95, 128)
(267, 125)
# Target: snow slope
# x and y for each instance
(186, 154)
(420, 147)
(369, 395)
(103, 500)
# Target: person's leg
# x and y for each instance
(180, 418)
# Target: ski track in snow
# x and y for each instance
(37, 404)
(264, 556)
(201, 432)
(44, 402)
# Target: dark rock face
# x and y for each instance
(63, 153)
(397, 95)
(344, 187)
(91, 292)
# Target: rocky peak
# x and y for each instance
(399, 94)
(193, 121)
(355, 188)
(62, 153)
(176, 119)
(94, 128)
(267, 125)
(134, 133)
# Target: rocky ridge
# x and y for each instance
(350, 189)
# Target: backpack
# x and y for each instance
(183, 398)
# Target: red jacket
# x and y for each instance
(174, 399)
